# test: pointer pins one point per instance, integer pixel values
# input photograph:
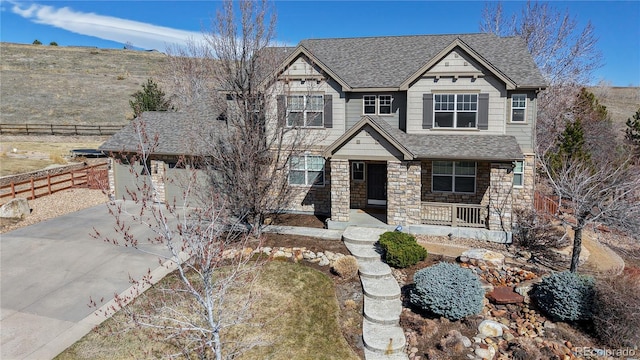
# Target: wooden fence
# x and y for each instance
(545, 204)
(56, 129)
(92, 177)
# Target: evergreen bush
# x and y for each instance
(401, 249)
(448, 290)
(565, 296)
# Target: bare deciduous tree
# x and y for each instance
(249, 154)
(566, 55)
(210, 260)
(595, 193)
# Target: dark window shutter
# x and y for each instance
(483, 111)
(328, 111)
(281, 110)
(427, 111)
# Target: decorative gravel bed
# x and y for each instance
(57, 204)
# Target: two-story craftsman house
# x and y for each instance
(430, 129)
(436, 129)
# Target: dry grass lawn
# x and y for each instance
(35, 155)
(296, 309)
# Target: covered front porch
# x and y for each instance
(436, 181)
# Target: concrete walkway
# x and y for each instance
(382, 336)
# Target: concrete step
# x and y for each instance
(383, 339)
(361, 235)
(382, 311)
(374, 269)
(370, 355)
(364, 252)
(383, 288)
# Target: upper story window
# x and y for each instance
(306, 170)
(518, 107)
(305, 110)
(380, 104)
(455, 110)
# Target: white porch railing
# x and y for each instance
(449, 214)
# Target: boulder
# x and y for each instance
(525, 287)
(17, 208)
(504, 295)
(485, 256)
(490, 328)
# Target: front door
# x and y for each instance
(377, 184)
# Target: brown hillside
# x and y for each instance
(71, 85)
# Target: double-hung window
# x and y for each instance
(380, 104)
(305, 110)
(306, 170)
(357, 171)
(455, 110)
(454, 176)
(518, 173)
(518, 107)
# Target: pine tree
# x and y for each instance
(150, 98)
(632, 133)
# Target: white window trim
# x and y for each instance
(353, 170)
(306, 171)
(377, 105)
(455, 111)
(453, 176)
(304, 110)
(524, 118)
(521, 173)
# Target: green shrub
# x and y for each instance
(401, 249)
(565, 296)
(447, 290)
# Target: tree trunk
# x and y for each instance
(577, 247)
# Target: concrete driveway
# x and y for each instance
(48, 273)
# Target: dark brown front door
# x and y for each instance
(376, 184)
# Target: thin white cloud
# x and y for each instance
(142, 35)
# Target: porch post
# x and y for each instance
(404, 192)
(112, 178)
(158, 179)
(340, 191)
(500, 197)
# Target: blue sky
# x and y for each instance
(152, 24)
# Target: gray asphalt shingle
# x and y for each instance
(388, 61)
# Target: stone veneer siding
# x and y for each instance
(523, 196)
(340, 191)
(158, 179)
(403, 192)
(501, 197)
(112, 179)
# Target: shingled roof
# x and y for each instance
(388, 61)
(177, 133)
(485, 147)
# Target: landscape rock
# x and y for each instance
(488, 257)
(505, 295)
(17, 208)
(488, 353)
(490, 328)
(525, 287)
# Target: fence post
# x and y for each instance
(454, 215)
(49, 183)
(73, 184)
(26, 126)
(13, 190)
(33, 191)
(51, 128)
(76, 128)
